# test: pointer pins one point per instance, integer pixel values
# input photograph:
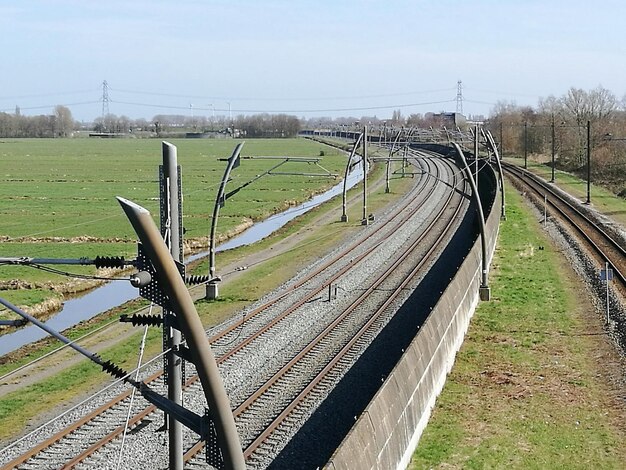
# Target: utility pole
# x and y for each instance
(197, 347)
(525, 145)
(220, 199)
(476, 155)
(494, 148)
(349, 165)
(364, 219)
(588, 162)
(501, 141)
(484, 289)
(553, 147)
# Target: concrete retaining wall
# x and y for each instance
(387, 432)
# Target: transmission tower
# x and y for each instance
(105, 99)
(459, 97)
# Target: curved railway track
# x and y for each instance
(603, 246)
(85, 438)
(306, 378)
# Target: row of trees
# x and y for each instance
(268, 125)
(562, 122)
(58, 124)
(61, 124)
(257, 125)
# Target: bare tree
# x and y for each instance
(63, 121)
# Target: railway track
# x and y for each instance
(79, 444)
(307, 377)
(603, 246)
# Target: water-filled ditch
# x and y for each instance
(113, 294)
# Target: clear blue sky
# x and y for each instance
(308, 58)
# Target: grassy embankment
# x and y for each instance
(17, 408)
(530, 385)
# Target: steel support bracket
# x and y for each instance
(187, 417)
(184, 353)
(153, 291)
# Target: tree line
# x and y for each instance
(61, 124)
(560, 123)
(58, 124)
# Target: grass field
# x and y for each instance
(527, 389)
(67, 188)
(57, 196)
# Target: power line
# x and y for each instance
(48, 106)
(506, 93)
(331, 98)
(292, 111)
(45, 95)
(480, 102)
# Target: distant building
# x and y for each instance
(448, 120)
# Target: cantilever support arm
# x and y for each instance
(349, 166)
(51, 331)
(494, 148)
(233, 162)
(484, 281)
(189, 322)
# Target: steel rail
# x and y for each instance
(407, 254)
(263, 389)
(613, 252)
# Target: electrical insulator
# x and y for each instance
(114, 370)
(197, 279)
(109, 262)
(139, 319)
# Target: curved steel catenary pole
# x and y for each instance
(173, 285)
(344, 214)
(484, 281)
(391, 151)
(233, 162)
(494, 149)
(364, 219)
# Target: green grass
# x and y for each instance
(524, 391)
(58, 189)
(67, 187)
